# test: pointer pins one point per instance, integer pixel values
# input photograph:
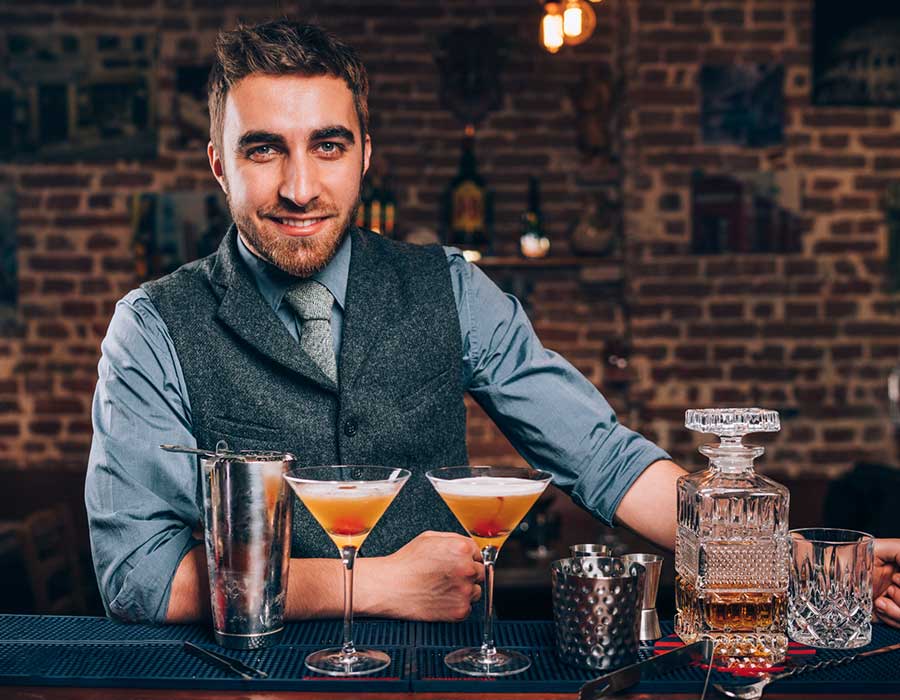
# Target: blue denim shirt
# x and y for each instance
(142, 503)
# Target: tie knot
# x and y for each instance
(311, 300)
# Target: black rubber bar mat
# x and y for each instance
(94, 652)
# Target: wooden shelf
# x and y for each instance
(548, 262)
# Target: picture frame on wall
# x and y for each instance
(88, 97)
(742, 104)
(856, 53)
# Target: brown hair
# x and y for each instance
(282, 47)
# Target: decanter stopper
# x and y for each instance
(732, 422)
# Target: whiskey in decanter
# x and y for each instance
(732, 547)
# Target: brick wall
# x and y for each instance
(813, 333)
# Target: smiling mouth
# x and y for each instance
(299, 224)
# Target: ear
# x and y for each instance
(215, 164)
(367, 153)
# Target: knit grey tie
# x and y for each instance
(312, 302)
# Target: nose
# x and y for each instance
(300, 181)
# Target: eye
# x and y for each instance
(331, 148)
(260, 153)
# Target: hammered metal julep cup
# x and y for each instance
(597, 611)
(247, 519)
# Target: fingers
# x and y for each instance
(888, 550)
(887, 607)
(476, 593)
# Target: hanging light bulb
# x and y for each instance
(584, 20)
(552, 35)
(572, 18)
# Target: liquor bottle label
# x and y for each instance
(390, 214)
(468, 208)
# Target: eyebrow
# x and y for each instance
(333, 132)
(251, 137)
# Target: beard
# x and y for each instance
(300, 257)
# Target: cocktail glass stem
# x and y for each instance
(348, 651)
(488, 650)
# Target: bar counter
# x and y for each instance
(77, 658)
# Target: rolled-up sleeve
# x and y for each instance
(142, 503)
(552, 415)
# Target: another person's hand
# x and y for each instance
(886, 581)
(433, 577)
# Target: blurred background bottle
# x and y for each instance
(533, 243)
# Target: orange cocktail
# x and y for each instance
(347, 511)
(347, 501)
(489, 502)
(490, 508)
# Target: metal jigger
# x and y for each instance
(649, 619)
(590, 550)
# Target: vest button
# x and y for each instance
(351, 426)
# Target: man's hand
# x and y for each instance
(433, 577)
(886, 581)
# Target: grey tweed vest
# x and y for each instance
(400, 399)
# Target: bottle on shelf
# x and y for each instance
(468, 205)
(732, 547)
(375, 207)
(364, 212)
(388, 209)
(533, 243)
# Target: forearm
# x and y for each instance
(315, 588)
(650, 506)
(189, 599)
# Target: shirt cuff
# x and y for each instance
(144, 595)
(601, 488)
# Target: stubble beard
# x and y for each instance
(300, 256)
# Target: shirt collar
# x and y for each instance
(273, 282)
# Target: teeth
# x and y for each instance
(299, 223)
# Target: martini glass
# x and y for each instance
(489, 502)
(347, 501)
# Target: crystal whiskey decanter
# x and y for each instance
(732, 547)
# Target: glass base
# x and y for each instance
(332, 662)
(472, 662)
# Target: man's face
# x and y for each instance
(291, 166)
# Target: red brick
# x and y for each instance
(757, 36)
(101, 241)
(845, 247)
(728, 16)
(649, 14)
(667, 139)
(45, 427)
(687, 17)
(797, 329)
(667, 37)
(57, 405)
(100, 201)
(762, 373)
(79, 309)
(887, 163)
(834, 140)
(54, 179)
(52, 331)
(873, 329)
(836, 162)
(57, 285)
(768, 16)
(63, 202)
(60, 263)
(824, 117)
(891, 141)
(822, 184)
